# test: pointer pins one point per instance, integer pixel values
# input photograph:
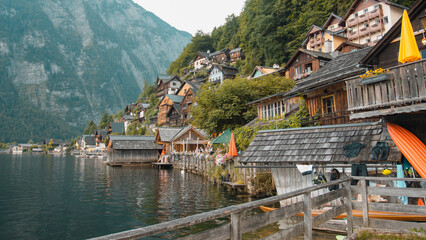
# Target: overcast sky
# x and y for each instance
(193, 15)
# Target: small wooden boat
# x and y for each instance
(372, 214)
(412, 148)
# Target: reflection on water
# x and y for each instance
(47, 197)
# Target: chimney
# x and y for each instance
(328, 46)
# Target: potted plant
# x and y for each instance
(374, 76)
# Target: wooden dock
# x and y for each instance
(235, 186)
(240, 224)
(162, 165)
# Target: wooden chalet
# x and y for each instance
(220, 57)
(189, 89)
(174, 115)
(259, 71)
(167, 85)
(218, 73)
(323, 147)
(398, 95)
(327, 38)
(189, 139)
(166, 104)
(129, 150)
(202, 59)
(165, 135)
(325, 92)
(236, 54)
(304, 62)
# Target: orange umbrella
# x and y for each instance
(408, 50)
(164, 152)
(233, 147)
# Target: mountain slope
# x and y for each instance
(69, 61)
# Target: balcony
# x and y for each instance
(377, 27)
(375, 13)
(362, 18)
(352, 22)
(353, 36)
(364, 31)
(402, 90)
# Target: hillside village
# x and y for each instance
(326, 70)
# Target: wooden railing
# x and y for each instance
(400, 86)
(239, 225)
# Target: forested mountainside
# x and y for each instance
(64, 62)
(268, 31)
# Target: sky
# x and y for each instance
(193, 15)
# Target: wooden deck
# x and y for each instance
(402, 89)
(239, 225)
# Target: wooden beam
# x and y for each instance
(236, 230)
(389, 111)
(348, 206)
(307, 209)
(365, 217)
(392, 207)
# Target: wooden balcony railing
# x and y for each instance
(402, 87)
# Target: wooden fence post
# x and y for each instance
(236, 233)
(365, 217)
(307, 209)
(348, 205)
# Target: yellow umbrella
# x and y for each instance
(408, 50)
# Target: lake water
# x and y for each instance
(47, 197)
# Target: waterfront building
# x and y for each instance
(129, 150)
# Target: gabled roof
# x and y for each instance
(166, 78)
(102, 132)
(128, 117)
(323, 144)
(226, 70)
(176, 107)
(225, 137)
(313, 28)
(395, 32)
(145, 105)
(175, 98)
(165, 134)
(137, 142)
(330, 19)
(117, 127)
(187, 129)
(315, 54)
(337, 70)
(219, 52)
(348, 43)
(235, 50)
(263, 70)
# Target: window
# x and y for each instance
(264, 112)
(298, 70)
(270, 110)
(366, 10)
(376, 6)
(355, 15)
(282, 107)
(367, 40)
(331, 27)
(385, 20)
(379, 37)
(366, 25)
(328, 104)
(277, 109)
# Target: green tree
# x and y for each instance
(90, 128)
(225, 106)
(106, 119)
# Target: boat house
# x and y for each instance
(129, 150)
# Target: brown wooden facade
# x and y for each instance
(186, 111)
(305, 62)
(236, 54)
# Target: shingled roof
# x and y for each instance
(166, 134)
(134, 142)
(175, 98)
(322, 144)
(117, 127)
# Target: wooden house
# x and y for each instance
(398, 95)
(174, 115)
(220, 57)
(166, 104)
(259, 71)
(187, 102)
(318, 148)
(125, 150)
(167, 85)
(367, 21)
(202, 59)
(327, 38)
(165, 135)
(218, 73)
(189, 139)
(236, 54)
(305, 62)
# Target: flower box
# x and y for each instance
(375, 79)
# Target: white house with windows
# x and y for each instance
(218, 73)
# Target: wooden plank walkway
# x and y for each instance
(162, 165)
